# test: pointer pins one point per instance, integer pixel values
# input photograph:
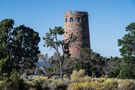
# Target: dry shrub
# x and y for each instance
(77, 75)
(110, 84)
(85, 86)
(40, 78)
(126, 85)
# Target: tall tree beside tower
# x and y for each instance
(18, 47)
(127, 50)
(24, 48)
(6, 27)
(60, 46)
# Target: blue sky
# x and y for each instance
(107, 19)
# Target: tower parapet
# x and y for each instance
(76, 23)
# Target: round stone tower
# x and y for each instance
(76, 23)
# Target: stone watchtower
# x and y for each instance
(76, 23)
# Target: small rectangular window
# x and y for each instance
(78, 19)
(65, 19)
(71, 19)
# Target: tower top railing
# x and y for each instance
(76, 12)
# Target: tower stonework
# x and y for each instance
(76, 23)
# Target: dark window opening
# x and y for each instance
(71, 19)
(83, 19)
(65, 19)
(78, 19)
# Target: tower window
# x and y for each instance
(71, 19)
(65, 19)
(83, 19)
(78, 19)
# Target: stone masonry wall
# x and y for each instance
(76, 23)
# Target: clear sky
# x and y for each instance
(107, 19)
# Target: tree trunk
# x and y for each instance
(61, 68)
(61, 65)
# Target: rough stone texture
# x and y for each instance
(76, 23)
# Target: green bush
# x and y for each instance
(14, 82)
(1, 84)
(57, 86)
